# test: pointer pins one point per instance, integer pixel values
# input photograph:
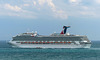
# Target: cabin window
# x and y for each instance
(58, 41)
(17, 42)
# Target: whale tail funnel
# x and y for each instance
(64, 29)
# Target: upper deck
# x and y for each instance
(52, 35)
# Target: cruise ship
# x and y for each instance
(55, 40)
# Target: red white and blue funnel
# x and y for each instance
(64, 29)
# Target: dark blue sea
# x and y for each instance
(8, 53)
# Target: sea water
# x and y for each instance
(9, 53)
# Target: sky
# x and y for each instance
(49, 16)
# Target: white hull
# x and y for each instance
(51, 45)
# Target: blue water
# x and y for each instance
(8, 53)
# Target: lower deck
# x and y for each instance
(49, 45)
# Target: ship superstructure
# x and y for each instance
(55, 40)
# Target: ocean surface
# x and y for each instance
(8, 53)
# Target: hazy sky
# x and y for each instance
(48, 16)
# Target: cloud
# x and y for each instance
(14, 8)
(34, 3)
(62, 9)
(41, 2)
(88, 13)
(85, 7)
(97, 1)
(58, 13)
(59, 9)
(75, 2)
(61, 14)
(26, 5)
(51, 4)
(35, 8)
